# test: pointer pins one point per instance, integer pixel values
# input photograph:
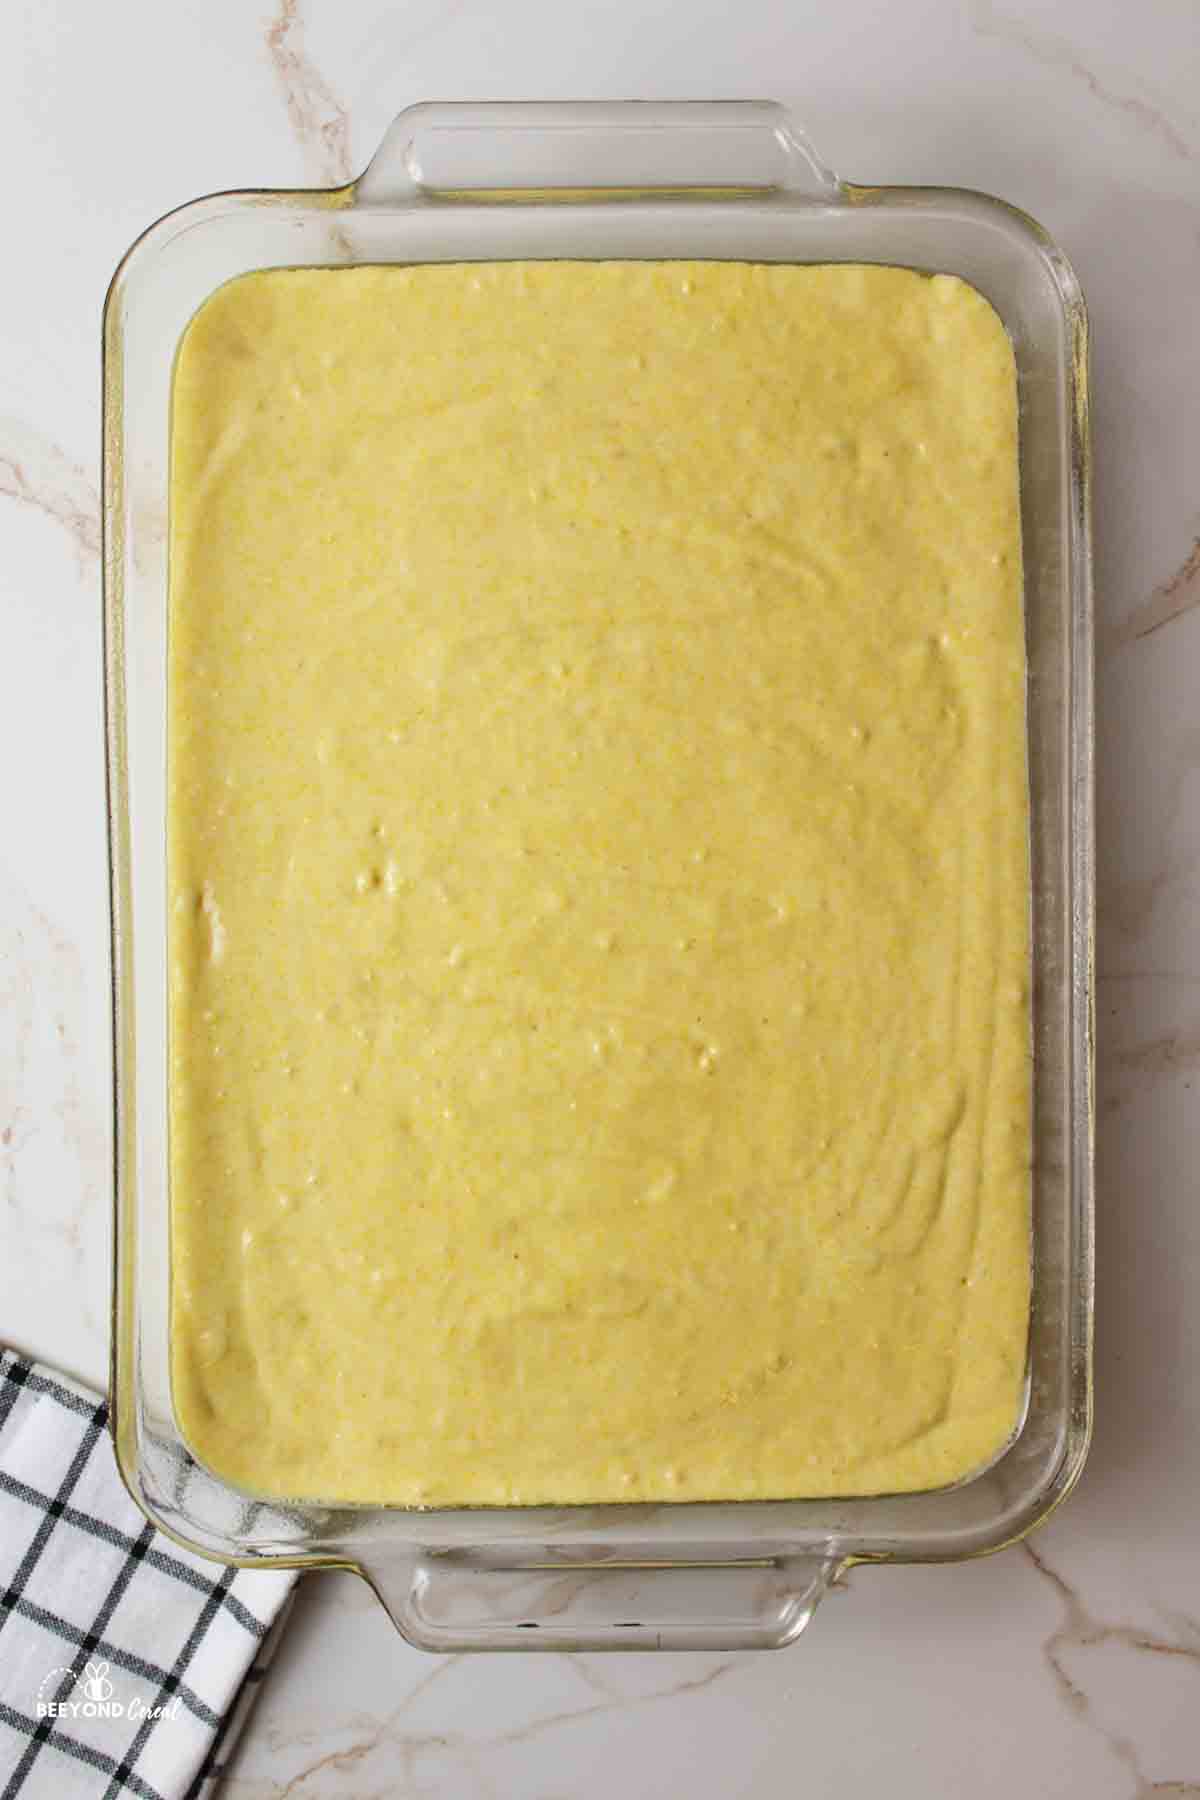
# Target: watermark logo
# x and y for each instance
(89, 1693)
(94, 1683)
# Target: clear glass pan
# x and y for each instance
(636, 179)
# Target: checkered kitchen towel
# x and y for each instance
(126, 1665)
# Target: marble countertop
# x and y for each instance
(1067, 1667)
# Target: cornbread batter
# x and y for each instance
(599, 883)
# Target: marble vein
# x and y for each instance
(45, 985)
(281, 1739)
(318, 118)
(1055, 52)
(35, 472)
(408, 1746)
(1169, 601)
(46, 1104)
(1080, 1629)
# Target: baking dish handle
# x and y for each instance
(544, 148)
(490, 1600)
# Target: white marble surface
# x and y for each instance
(1070, 1667)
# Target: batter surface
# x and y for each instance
(599, 1006)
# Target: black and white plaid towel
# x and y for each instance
(127, 1666)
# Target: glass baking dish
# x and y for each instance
(637, 179)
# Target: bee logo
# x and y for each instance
(94, 1683)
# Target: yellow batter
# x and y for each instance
(599, 880)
